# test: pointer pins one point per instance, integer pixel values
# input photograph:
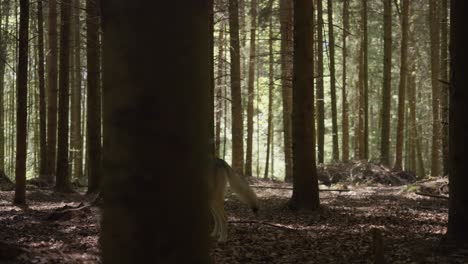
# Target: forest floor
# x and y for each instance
(345, 230)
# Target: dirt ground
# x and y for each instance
(411, 227)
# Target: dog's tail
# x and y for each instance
(241, 188)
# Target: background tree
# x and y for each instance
(305, 185)
(344, 95)
(444, 76)
(403, 83)
(22, 114)
(331, 46)
(62, 182)
(76, 137)
(139, 155)
(236, 104)
(251, 84)
(320, 93)
(271, 86)
(435, 70)
(286, 21)
(42, 95)
(93, 96)
(387, 85)
(52, 76)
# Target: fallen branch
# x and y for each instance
(290, 188)
(263, 223)
(433, 195)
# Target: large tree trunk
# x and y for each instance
(305, 184)
(21, 104)
(344, 95)
(76, 134)
(387, 85)
(52, 91)
(93, 96)
(435, 69)
(320, 93)
(236, 104)
(62, 178)
(286, 20)
(251, 85)
(331, 36)
(156, 132)
(444, 92)
(458, 145)
(402, 85)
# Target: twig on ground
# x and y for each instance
(433, 195)
(263, 223)
(290, 188)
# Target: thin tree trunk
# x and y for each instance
(62, 177)
(286, 20)
(344, 95)
(236, 104)
(22, 108)
(387, 86)
(219, 91)
(42, 96)
(93, 96)
(305, 184)
(211, 117)
(52, 91)
(331, 36)
(5, 11)
(444, 93)
(271, 84)
(435, 70)
(320, 100)
(403, 81)
(251, 85)
(365, 79)
(76, 134)
(362, 87)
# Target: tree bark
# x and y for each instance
(320, 100)
(387, 86)
(220, 102)
(331, 36)
(76, 133)
(402, 86)
(62, 179)
(156, 132)
(286, 21)
(251, 85)
(363, 120)
(444, 76)
(458, 145)
(435, 70)
(93, 96)
(236, 104)
(5, 11)
(271, 84)
(21, 104)
(42, 95)
(305, 184)
(52, 91)
(344, 95)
